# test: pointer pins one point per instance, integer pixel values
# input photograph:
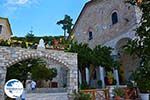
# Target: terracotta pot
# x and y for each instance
(110, 81)
(117, 98)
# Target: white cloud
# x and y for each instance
(19, 2)
(12, 5)
(22, 1)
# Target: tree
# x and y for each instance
(84, 57)
(141, 46)
(43, 73)
(66, 25)
(52, 74)
(29, 35)
(99, 56)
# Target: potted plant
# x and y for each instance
(80, 96)
(110, 77)
(142, 79)
(118, 93)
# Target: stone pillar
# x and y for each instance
(2, 81)
(72, 80)
(116, 76)
(87, 75)
(80, 78)
(101, 71)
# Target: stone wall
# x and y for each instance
(97, 18)
(5, 33)
(61, 77)
(11, 55)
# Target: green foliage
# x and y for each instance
(36, 39)
(99, 56)
(119, 92)
(66, 24)
(99, 83)
(52, 73)
(141, 47)
(29, 35)
(105, 51)
(20, 70)
(81, 96)
(102, 56)
(83, 51)
(84, 86)
(110, 75)
(37, 68)
(141, 77)
(4, 43)
(40, 73)
(23, 45)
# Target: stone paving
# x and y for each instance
(47, 96)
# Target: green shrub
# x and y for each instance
(84, 86)
(81, 96)
(119, 92)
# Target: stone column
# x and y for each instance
(101, 71)
(116, 76)
(87, 75)
(80, 78)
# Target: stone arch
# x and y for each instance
(47, 57)
(10, 56)
(128, 62)
(120, 43)
(25, 57)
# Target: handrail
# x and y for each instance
(97, 94)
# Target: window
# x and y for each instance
(0, 29)
(114, 18)
(90, 35)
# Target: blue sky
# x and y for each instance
(41, 15)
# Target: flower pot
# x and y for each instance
(144, 96)
(110, 81)
(117, 98)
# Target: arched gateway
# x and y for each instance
(11, 55)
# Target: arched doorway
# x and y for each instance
(128, 62)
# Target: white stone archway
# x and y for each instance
(10, 56)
